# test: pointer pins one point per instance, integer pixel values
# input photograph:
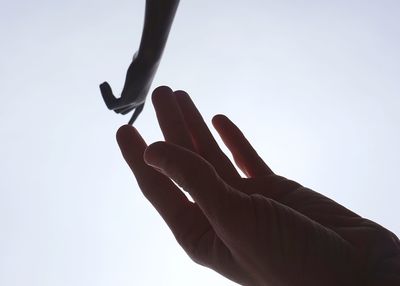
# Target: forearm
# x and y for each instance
(159, 16)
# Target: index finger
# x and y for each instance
(162, 193)
(220, 203)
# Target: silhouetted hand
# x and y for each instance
(260, 230)
(159, 16)
(138, 80)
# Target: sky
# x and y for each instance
(314, 85)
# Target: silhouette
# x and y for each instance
(159, 16)
(260, 230)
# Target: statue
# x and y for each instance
(159, 15)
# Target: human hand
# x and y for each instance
(259, 230)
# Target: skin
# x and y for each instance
(260, 230)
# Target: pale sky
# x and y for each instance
(313, 84)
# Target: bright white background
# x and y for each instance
(313, 84)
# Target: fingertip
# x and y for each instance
(182, 96)
(180, 93)
(106, 90)
(125, 135)
(154, 153)
(104, 84)
(220, 120)
(123, 130)
(217, 118)
(161, 90)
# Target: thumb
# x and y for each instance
(196, 176)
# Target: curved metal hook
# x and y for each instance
(159, 15)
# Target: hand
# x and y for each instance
(259, 230)
(159, 16)
(138, 79)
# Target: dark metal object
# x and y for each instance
(159, 16)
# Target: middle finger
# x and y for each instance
(170, 118)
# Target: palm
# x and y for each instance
(205, 247)
(343, 230)
(298, 236)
